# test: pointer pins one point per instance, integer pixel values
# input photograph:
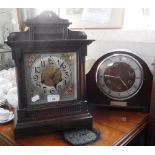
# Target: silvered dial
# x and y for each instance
(51, 76)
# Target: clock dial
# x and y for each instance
(51, 75)
(119, 76)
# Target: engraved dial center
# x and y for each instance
(51, 76)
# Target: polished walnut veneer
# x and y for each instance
(116, 128)
(151, 126)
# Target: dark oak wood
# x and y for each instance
(48, 33)
(139, 102)
(116, 128)
(151, 126)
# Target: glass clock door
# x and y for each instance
(51, 77)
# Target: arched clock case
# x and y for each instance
(120, 80)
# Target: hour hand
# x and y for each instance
(111, 76)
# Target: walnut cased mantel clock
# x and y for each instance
(120, 80)
(49, 60)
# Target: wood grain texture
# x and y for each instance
(49, 34)
(151, 127)
(6, 141)
(115, 127)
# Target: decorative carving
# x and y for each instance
(47, 26)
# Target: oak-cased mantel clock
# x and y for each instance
(49, 60)
(120, 80)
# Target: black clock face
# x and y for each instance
(51, 77)
(119, 76)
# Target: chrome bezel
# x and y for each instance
(121, 98)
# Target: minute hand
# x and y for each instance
(123, 82)
(117, 77)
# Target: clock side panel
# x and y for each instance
(20, 78)
(81, 73)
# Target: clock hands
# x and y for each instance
(123, 82)
(117, 77)
(111, 76)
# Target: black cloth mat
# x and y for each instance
(81, 137)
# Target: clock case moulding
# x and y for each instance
(139, 102)
(49, 32)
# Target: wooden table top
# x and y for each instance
(115, 127)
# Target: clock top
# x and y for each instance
(47, 27)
